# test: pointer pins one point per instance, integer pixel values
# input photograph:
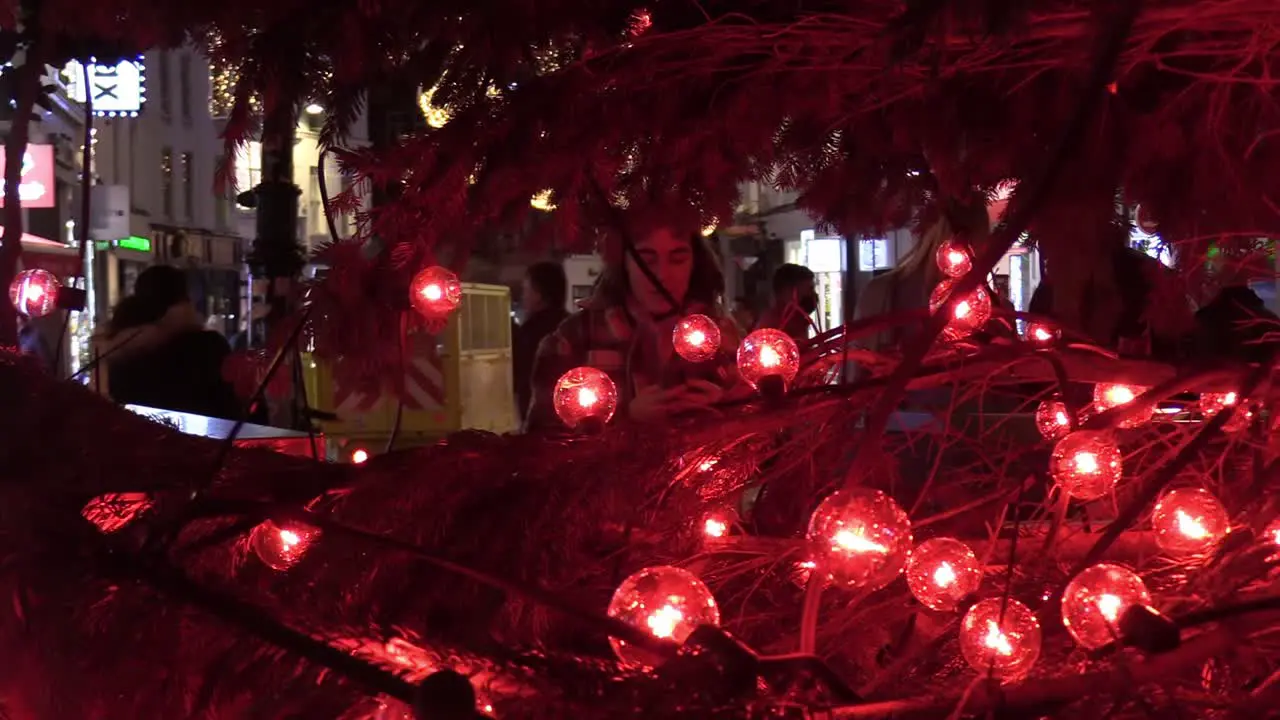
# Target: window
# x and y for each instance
(873, 254)
(163, 83)
(316, 205)
(221, 202)
(184, 86)
(248, 166)
(166, 182)
(188, 185)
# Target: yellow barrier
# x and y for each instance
(459, 379)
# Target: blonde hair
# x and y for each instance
(969, 221)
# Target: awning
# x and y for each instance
(45, 254)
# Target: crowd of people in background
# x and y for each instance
(157, 351)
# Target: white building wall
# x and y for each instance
(312, 228)
(175, 124)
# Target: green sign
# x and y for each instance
(133, 242)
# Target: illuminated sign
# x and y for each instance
(133, 242)
(118, 90)
(37, 188)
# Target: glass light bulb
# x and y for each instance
(435, 292)
(696, 338)
(1189, 521)
(583, 393)
(1111, 395)
(860, 537)
(1086, 464)
(1096, 599)
(1006, 644)
(667, 602)
(942, 572)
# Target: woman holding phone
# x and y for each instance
(625, 329)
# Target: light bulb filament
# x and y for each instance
(697, 338)
(1109, 605)
(944, 576)
(1120, 395)
(1086, 462)
(956, 258)
(1190, 526)
(1061, 418)
(715, 527)
(769, 357)
(962, 310)
(289, 538)
(432, 292)
(587, 397)
(1042, 334)
(663, 622)
(996, 640)
(852, 541)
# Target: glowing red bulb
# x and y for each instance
(585, 393)
(360, 456)
(1001, 637)
(767, 353)
(696, 338)
(1052, 419)
(1213, 403)
(1038, 333)
(34, 292)
(1271, 534)
(968, 315)
(1112, 395)
(1086, 464)
(1096, 599)
(942, 572)
(954, 258)
(1189, 521)
(860, 537)
(280, 547)
(667, 602)
(435, 293)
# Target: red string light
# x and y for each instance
(1096, 599)
(696, 338)
(280, 547)
(585, 393)
(435, 292)
(861, 538)
(1053, 420)
(1001, 637)
(942, 572)
(768, 353)
(667, 602)
(968, 314)
(34, 292)
(1086, 464)
(1189, 521)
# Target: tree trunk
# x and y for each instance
(27, 84)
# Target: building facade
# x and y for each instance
(164, 165)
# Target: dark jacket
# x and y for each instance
(183, 374)
(605, 336)
(524, 346)
(1234, 324)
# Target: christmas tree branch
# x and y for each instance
(1165, 475)
(1025, 204)
(1027, 696)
